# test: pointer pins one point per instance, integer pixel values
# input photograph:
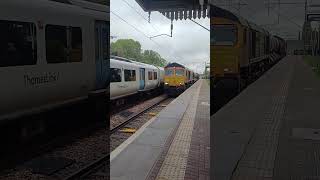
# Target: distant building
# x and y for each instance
(306, 35)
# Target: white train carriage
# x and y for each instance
(129, 77)
(51, 53)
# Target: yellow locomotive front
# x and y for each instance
(225, 49)
(229, 49)
(174, 79)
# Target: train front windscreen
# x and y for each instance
(223, 35)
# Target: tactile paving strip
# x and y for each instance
(258, 160)
(175, 162)
(198, 165)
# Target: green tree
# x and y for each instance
(129, 48)
(152, 57)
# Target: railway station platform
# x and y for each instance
(175, 144)
(271, 130)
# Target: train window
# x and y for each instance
(129, 75)
(63, 44)
(155, 75)
(179, 72)
(18, 45)
(224, 35)
(115, 75)
(76, 44)
(149, 75)
(169, 72)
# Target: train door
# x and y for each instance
(102, 54)
(142, 78)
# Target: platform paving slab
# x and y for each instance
(274, 125)
(175, 162)
(198, 165)
(254, 114)
(139, 157)
(298, 154)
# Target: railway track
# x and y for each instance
(98, 169)
(100, 166)
(87, 157)
(123, 131)
(137, 114)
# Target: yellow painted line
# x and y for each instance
(128, 130)
(152, 114)
(122, 146)
(175, 162)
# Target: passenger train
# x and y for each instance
(178, 78)
(240, 50)
(51, 54)
(128, 77)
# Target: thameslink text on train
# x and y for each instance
(42, 79)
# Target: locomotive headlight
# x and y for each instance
(166, 83)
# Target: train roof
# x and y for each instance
(174, 65)
(132, 62)
(67, 7)
(278, 37)
(257, 28)
(219, 12)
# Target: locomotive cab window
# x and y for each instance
(169, 72)
(179, 72)
(18, 45)
(149, 75)
(223, 35)
(129, 75)
(155, 75)
(115, 75)
(63, 44)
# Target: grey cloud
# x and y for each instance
(189, 44)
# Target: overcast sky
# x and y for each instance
(189, 44)
(291, 15)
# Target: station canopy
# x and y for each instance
(178, 9)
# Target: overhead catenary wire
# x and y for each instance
(131, 6)
(135, 10)
(287, 18)
(155, 28)
(255, 11)
(200, 25)
(129, 24)
(140, 32)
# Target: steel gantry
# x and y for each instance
(311, 36)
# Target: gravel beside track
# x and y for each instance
(81, 152)
(119, 137)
